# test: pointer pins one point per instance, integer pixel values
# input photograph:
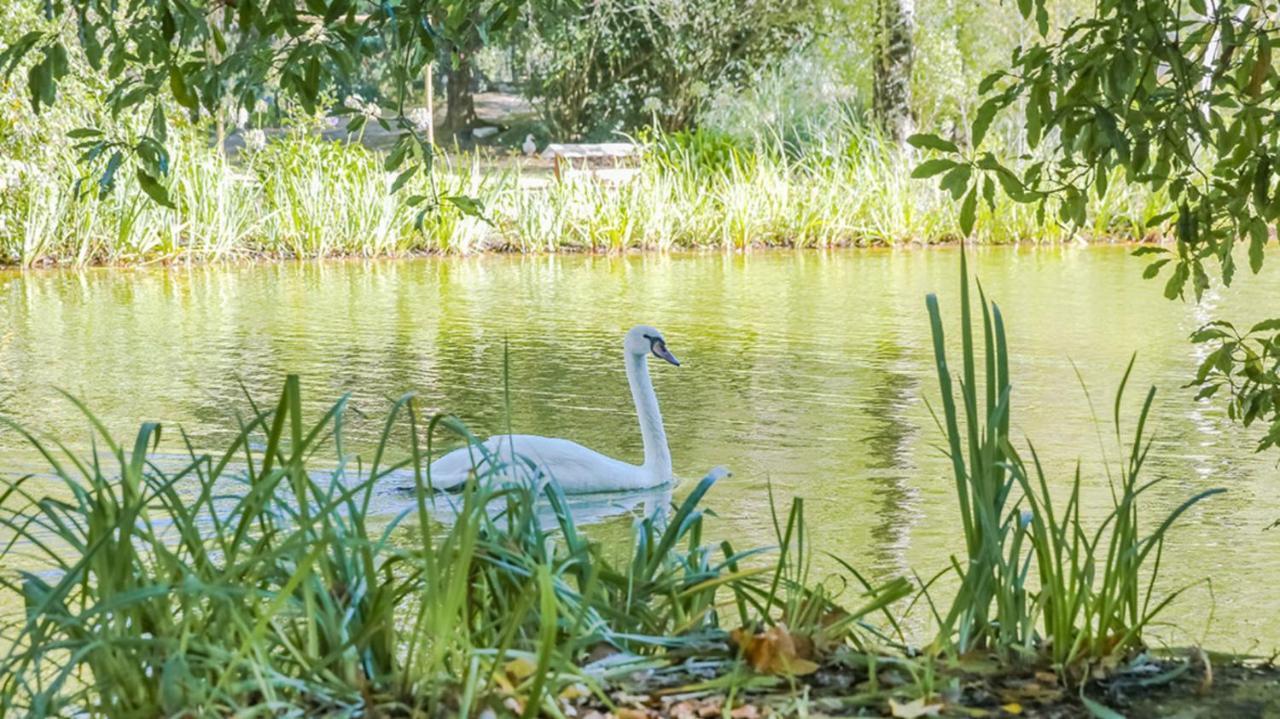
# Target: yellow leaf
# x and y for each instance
(520, 668)
(1012, 708)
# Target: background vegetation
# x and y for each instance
(731, 105)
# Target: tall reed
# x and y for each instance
(1038, 582)
(304, 197)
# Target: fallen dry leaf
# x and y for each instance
(914, 709)
(746, 711)
(682, 710)
(773, 651)
(520, 669)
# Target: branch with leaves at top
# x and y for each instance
(1173, 95)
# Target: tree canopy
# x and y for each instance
(189, 55)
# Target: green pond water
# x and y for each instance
(808, 370)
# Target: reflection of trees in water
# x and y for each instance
(887, 454)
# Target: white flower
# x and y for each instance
(242, 118)
(698, 88)
(420, 118)
(353, 102)
(255, 139)
(651, 105)
(260, 106)
(371, 111)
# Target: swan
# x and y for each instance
(575, 468)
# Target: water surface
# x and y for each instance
(807, 370)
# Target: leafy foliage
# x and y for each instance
(164, 57)
(1177, 96)
(619, 64)
(1247, 364)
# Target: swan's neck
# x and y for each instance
(657, 456)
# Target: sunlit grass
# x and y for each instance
(259, 579)
(305, 197)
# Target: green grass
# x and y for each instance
(257, 580)
(302, 197)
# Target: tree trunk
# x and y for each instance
(895, 51)
(429, 85)
(460, 110)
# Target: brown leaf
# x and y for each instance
(746, 711)
(682, 710)
(773, 651)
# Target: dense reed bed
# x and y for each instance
(303, 197)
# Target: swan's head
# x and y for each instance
(643, 340)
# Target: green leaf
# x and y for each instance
(969, 211)
(108, 179)
(1262, 183)
(1173, 287)
(468, 205)
(986, 113)
(929, 168)
(403, 177)
(1271, 325)
(1098, 710)
(13, 54)
(396, 157)
(989, 82)
(932, 142)
(181, 92)
(1257, 243)
(956, 180)
(154, 189)
(1153, 269)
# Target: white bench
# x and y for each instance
(566, 153)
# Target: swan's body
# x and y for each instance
(573, 467)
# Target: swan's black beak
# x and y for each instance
(660, 350)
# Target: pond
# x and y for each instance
(810, 371)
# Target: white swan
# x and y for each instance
(575, 468)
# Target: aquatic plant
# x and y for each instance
(1037, 582)
(263, 578)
